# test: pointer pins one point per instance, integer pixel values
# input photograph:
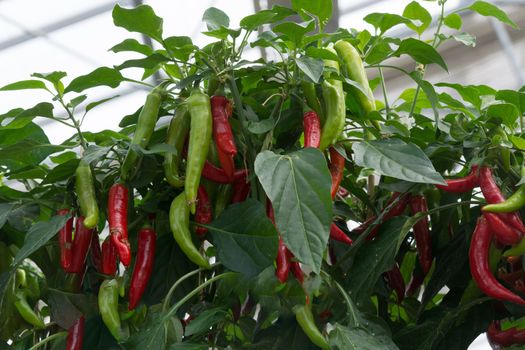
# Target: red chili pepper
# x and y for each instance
(493, 195)
(143, 265)
(337, 168)
(283, 262)
(65, 237)
(506, 338)
(462, 185)
(80, 246)
(109, 257)
(479, 265)
(222, 133)
(504, 233)
(416, 281)
(297, 271)
(118, 221)
(510, 277)
(96, 252)
(396, 282)
(203, 214)
(312, 129)
(418, 204)
(241, 190)
(75, 335)
(218, 175)
(337, 234)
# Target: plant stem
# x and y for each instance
(48, 339)
(76, 125)
(383, 87)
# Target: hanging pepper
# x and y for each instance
(118, 221)
(312, 129)
(203, 214)
(85, 190)
(462, 185)
(143, 265)
(222, 133)
(297, 271)
(335, 106)
(480, 268)
(65, 237)
(505, 234)
(143, 131)
(312, 100)
(26, 311)
(415, 282)
(179, 217)
(109, 257)
(96, 252)
(283, 262)
(337, 168)
(418, 204)
(80, 247)
(305, 319)
(108, 307)
(337, 234)
(177, 133)
(396, 282)
(513, 203)
(506, 338)
(241, 191)
(218, 175)
(75, 335)
(200, 136)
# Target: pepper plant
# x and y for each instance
(226, 197)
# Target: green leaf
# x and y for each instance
(152, 335)
(21, 117)
(38, 235)
(147, 62)
(295, 32)
(379, 52)
(343, 338)
(516, 98)
(277, 13)
(141, 19)
(321, 9)
(487, 9)
(453, 21)
(470, 93)
(54, 78)
(205, 320)
(465, 38)
(319, 52)
(102, 76)
(215, 19)
(24, 85)
(506, 112)
(298, 185)
(132, 45)
(5, 210)
(311, 67)
(417, 12)
(421, 52)
(94, 104)
(385, 21)
(179, 47)
(62, 172)
(245, 238)
(397, 159)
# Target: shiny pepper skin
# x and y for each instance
(504, 234)
(506, 338)
(118, 221)
(283, 262)
(81, 244)
(418, 204)
(85, 190)
(143, 265)
(108, 307)
(222, 133)
(96, 252)
(396, 282)
(203, 213)
(462, 185)
(337, 168)
(312, 129)
(338, 235)
(75, 335)
(65, 239)
(218, 175)
(305, 319)
(109, 257)
(177, 133)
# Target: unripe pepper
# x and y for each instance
(312, 129)
(305, 319)
(513, 203)
(179, 217)
(87, 199)
(109, 257)
(177, 133)
(118, 221)
(26, 311)
(462, 185)
(222, 133)
(337, 168)
(143, 131)
(75, 335)
(312, 100)
(143, 265)
(108, 307)
(65, 238)
(418, 204)
(200, 136)
(81, 243)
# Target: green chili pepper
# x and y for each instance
(312, 100)
(335, 107)
(144, 129)
(180, 227)
(199, 143)
(85, 190)
(26, 311)
(177, 132)
(108, 306)
(305, 318)
(512, 204)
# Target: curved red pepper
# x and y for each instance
(418, 204)
(203, 213)
(493, 195)
(218, 175)
(337, 168)
(396, 282)
(506, 338)
(143, 265)
(312, 129)
(283, 262)
(297, 271)
(75, 335)
(462, 185)
(96, 252)
(65, 237)
(504, 233)
(118, 221)
(337, 234)
(241, 190)
(222, 133)
(80, 246)
(109, 257)
(479, 265)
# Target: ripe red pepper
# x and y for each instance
(312, 129)
(218, 175)
(505, 234)
(75, 335)
(422, 233)
(396, 282)
(337, 168)
(506, 338)
(283, 262)
(96, 253)
(80, 246)
(65, 237)
(241, 190)
(297, 271)
(337, 234)
(109, 257)
(118, 221)
(415, 282)
(493, 195)
(143, 265)
(222, 133)
(203, 213)
(510, 278)
(462, 185)
(479, 265)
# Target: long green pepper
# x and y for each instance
(108, 307)
(87, 199)
(177, 132)
(305, 318)
(200, 137)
